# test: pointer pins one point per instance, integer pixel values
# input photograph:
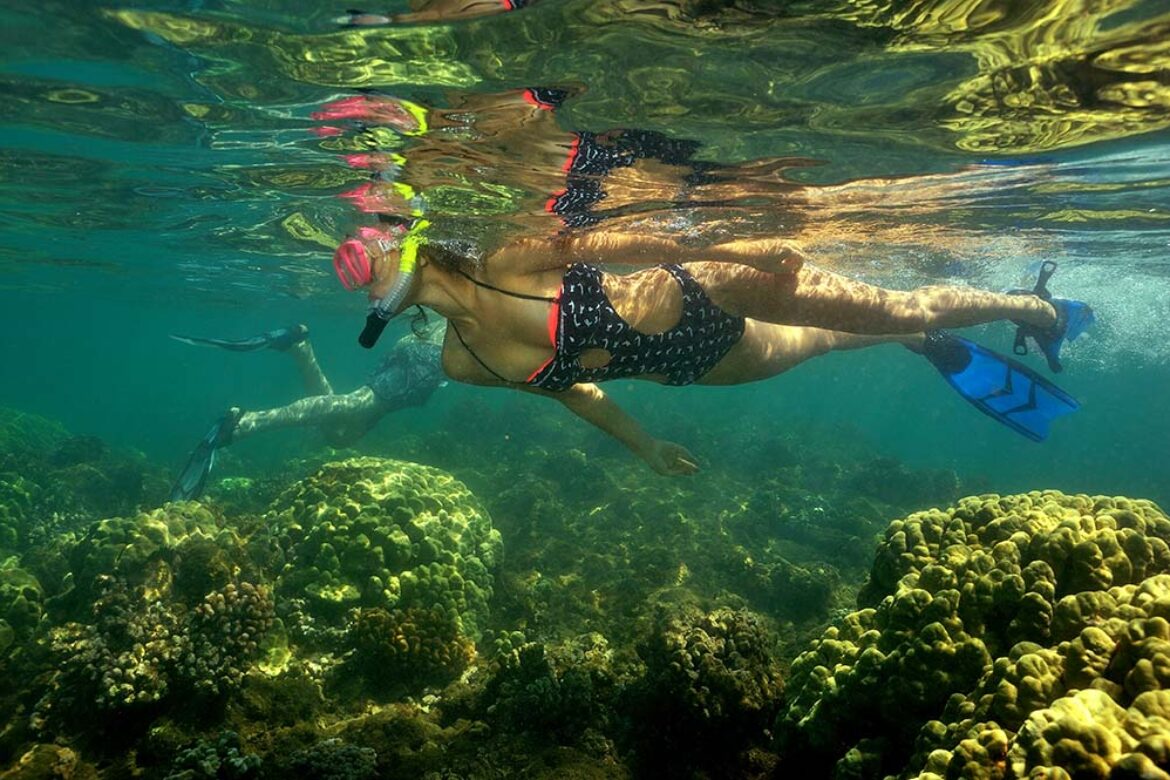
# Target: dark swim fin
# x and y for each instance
(998, 386)
(280, 339)
(193, 478)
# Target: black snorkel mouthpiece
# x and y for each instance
(370, 334)
(385, 308)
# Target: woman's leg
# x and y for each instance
(822, 299)
(767, 350)
(342, 418)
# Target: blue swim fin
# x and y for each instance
(280, 339)
(998, 386)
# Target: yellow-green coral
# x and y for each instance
(179, 545)
(17, 495)
(981, 617)
(372, 532)
(404, 648)
(712, 680)
(21, 606)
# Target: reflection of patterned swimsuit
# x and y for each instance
(583, 318)
(593, 156)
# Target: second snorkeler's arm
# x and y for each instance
(590, 403)
(611, 247)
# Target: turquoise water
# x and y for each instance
(151, 159)
(160, 174)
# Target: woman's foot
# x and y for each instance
(283, 339)
(1072, 319)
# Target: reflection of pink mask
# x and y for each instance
(376, 199)
(351, 261)
(375, 109)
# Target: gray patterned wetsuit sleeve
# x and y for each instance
(340, 416)
(408, 374)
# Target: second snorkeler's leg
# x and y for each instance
(316, 383)
(341, 417)
(818, 298)
(767, 350)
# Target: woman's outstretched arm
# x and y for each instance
(590, 403)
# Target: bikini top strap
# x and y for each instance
(493, 288)
(471, 352)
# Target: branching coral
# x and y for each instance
(223, 634)
(150, 607)
(406, 648)
(555, 691)
(140, 649)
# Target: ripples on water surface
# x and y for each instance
(162, 166)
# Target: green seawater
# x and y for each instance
(160, 174)
(152, 154)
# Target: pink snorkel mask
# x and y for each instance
(354, 269)
(351, 261)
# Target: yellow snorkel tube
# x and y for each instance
(388, 306)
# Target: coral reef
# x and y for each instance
(405, 649)
(17, 499)
(21, 606)
(1016, 630)
(369, 532)
(712, 680)
(637, 627)
(139, 648)
(556, 692)
(221, 759)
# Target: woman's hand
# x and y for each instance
(669, 458)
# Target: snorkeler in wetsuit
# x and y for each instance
(406, 376)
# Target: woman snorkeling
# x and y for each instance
(406, 377)
(540, 315)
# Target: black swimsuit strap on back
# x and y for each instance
(502, 291)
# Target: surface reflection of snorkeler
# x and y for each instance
(485, 143)
(406, 377)
(540, 315)
(507, 155)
